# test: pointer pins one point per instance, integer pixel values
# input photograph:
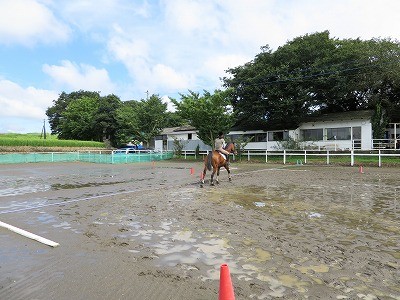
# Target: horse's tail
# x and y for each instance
(209, 160)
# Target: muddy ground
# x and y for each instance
(150, 231)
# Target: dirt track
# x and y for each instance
(145, 231)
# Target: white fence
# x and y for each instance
(302, 156)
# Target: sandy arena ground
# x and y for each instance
(150, 231)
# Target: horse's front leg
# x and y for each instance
(229, 172)
(203, 175)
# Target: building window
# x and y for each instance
(189, 136)
(260, 137)
(342, 133)
(356, 133)
(278, 136)
(311, 134)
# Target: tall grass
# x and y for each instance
(36, 140)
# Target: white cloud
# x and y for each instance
(16, 101)
(28, 22)
(135, 55)
(170, 106)
(216, 66)
(192, 16)
(80, 77)
(90, 15)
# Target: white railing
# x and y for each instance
(385, 143)
(302, 156)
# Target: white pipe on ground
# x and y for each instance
(29, 235)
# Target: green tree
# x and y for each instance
(106, 118)
(313, 74)
(173, 119)
(78, 120)
(127, 122)
(55, 111)
(209, 113)
(84, 115)
(151, 115)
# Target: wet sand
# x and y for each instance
(150, 231)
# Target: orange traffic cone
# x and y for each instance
(360, 169)
(191, 171)
(225, 284)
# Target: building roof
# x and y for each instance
(171, 130)
(341, 116)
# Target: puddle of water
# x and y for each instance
(15, 205)
(22, 190)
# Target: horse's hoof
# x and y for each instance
(230, 179)
(201, 185)
(212, 184)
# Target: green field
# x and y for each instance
(36, 140)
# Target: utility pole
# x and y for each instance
(43, 129)
(147, 93)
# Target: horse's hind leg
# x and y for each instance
(217, 179)
(212, 176)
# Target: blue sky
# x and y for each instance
(166, 47)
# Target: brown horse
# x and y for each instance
(216, 161)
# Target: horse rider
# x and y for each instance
(219, 145)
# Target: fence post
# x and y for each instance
(379, 159)
(184, 151)
(352, 157)
(266, 156)
(327, 157)
(284, 157)
(305, 156)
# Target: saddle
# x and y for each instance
(222, 154)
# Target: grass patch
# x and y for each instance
(35, 140)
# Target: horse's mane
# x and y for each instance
(227, 145)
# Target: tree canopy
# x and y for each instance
(315, 74)
(86, 115)
(208, 113)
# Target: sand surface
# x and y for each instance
(150, 231)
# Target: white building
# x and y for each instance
(346, 130)
(335, 131)
(186, 135)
